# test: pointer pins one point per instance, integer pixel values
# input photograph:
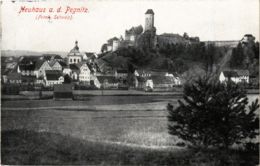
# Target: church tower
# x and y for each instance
(149, 20)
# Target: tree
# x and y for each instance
(238, 57)
(67, 79)
(104, 48)
(213, 114)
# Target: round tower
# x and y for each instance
(149, 20)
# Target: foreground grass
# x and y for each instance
(28, 147)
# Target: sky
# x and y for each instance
(207, 19)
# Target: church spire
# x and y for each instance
(76, 45)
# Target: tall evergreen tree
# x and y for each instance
(213, 114)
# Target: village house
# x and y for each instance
(53, 77)
(237, 76)
(94, 81)
(107, 82)
(41, 67)
(27, 66)
(84, 72)
(121, 73)
(163, 82)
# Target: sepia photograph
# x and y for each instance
(131, 82)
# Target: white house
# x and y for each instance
(67, 71)
(53, 77)
(84, 72)
(149, 83)
(236, 76)
(41, 67)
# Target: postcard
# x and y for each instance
(132, 82)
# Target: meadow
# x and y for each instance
(133, 125)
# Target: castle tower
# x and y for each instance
(149, 20)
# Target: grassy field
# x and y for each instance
(124, 130)
(28, 147)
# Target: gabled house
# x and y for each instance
(237, 76)
(55, 65)
(41, 67)
(26, 69)
(162, 81)
(108, 82)
(53, 77)
(84, 72)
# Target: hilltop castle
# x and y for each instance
(139, 37)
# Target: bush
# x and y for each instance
(213, 114)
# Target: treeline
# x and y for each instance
(173, 57)
(242, 55)
(246, 57)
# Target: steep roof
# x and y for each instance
(135, 30)
(53, 74)
(162, 80)
(110, 79)
(242, 72)
(149, 11)
(74, 67)
(80, 64)
(52, 62)
(63, 64)
(39, 63)
(236, 73)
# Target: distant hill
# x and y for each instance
(17, 53)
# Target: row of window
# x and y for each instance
(74, 60)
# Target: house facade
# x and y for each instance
(84, 72)
(237, 76)
(53, 77)
(41, 67)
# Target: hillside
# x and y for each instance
(188, 62)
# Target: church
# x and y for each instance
(74, 55)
